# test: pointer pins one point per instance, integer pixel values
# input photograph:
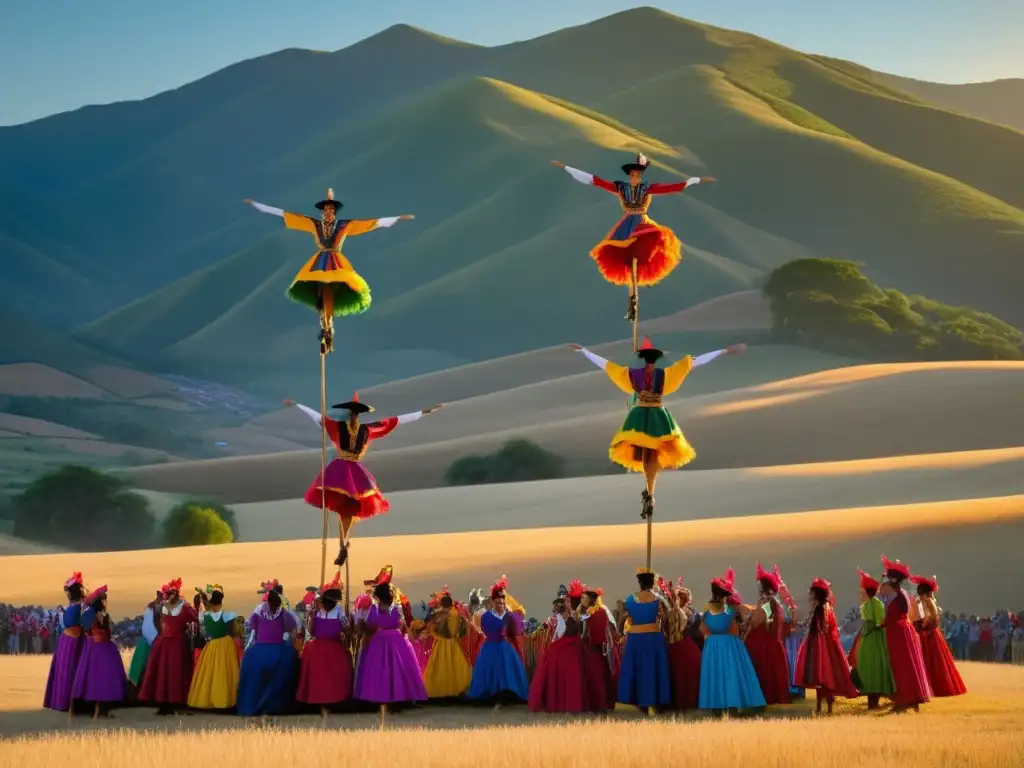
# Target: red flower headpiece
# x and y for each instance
(334, 583)
(725, 581)
(734, 599)
(499, 587)
(363, 602)
(267, 587)
(932, 583)
(895, 566)
(820, 583)
(76, 578)
(773, 579)
(96, 594)
(596, 590)
(664, 586)
(867, 581)
(576, 589)
(309, 597)
(174, 585)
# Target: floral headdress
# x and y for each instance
(576, 589)
(725, 581)
(499, 587)
(211, 588)
(75, 578)
(896, 567)
(932, 584)
(772, 578)
(96, 594)
(867, 581)
(174, 585)
(826, 587)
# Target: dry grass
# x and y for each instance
(37, 380)
(980, 730)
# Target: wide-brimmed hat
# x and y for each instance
(329, 200)
(640, 164)
(353, 405)
(383, 577)
(648, 352)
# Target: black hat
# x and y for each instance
(640, 164)
(648, 352)
(353, 405)
(329, 200)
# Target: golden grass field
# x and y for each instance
(984, 729)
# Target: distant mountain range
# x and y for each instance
(123, 225)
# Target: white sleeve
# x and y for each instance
(309, 412)
(692, 181)
(387, 221)
(267, 209)
(149, 627)
(707, 357)
(581, 176)
(405, 418)
(559, 626)
(597, 360)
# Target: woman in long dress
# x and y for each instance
(728, 682)
(943, 676)
(144, 645)
(559, 684)
(822, 663)
(326, 671)
(388, 672)
(908, 671)
(644, 677)
(169, 668)
(869, 657)
(599, 641)
(764, 637)
(499, 672)
(100, 678)
(270, 666)
(216, 676)
(683, 653)
(448, 674)
(64, 664)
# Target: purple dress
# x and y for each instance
(64, 664)
(100, 675)
(388, 670)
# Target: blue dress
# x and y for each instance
(644, 678)
(727, 676)
(498, 669)
(792, 648)
(270, 667)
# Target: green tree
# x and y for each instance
(224, 513)
(516, 461)
(194, 525)
(836, 277)
(82, 508)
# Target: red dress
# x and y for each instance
(559, 684)
(767, 649)
(168, 673)
(325, 673)
(598, 640)
(821, 662)
(683, 664)
(908, 670)
(943, 676)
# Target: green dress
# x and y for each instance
(872, 673)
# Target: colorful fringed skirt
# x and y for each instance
(329, 271)
(651, 428)
(350, 490)
(656, 249)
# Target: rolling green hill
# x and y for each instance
(813, 156)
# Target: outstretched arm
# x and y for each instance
(670, 189)
(314, 415)
(587, 178)
(378, 429)
(362, 226)
(676, 373)
(291, 220)
(617, 373)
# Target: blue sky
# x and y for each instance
(57, 55)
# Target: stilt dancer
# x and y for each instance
(329, 284)
(650, 440)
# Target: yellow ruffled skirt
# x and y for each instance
(215, 680)
(448, 672)
(350, 294)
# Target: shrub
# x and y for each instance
(82, 508)
(516, 461)
(189, 526)
(224, 513)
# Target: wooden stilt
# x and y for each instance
(96, 711)
(323, 462)
(636, 348)
(383, 715)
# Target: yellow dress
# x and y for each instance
(215, 679)
(448, 673)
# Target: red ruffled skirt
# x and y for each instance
(168, 675)
(559, 684)
(656, 249)
(350, 490)
(943, 676)
(325, 674)
(684, 666)
(821, 664)
(771, 664)
(907, 661)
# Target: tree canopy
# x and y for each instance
(829, 304)
(194, 525)
(516, 461)
(82, 508)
